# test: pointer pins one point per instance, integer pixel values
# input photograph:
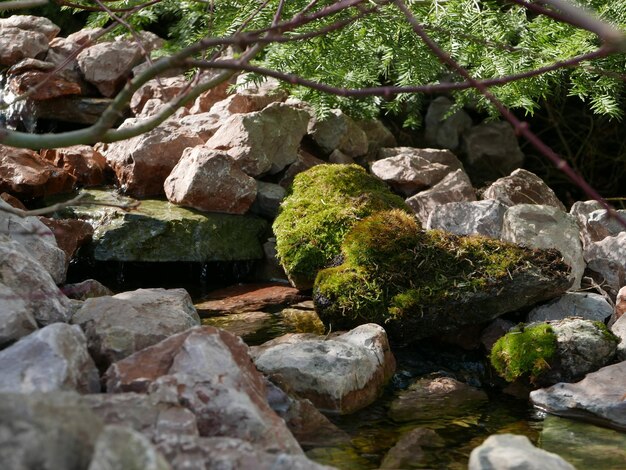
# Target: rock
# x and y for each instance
(598, 398)
(263, 141)
(24, 174)
(302, 320)
(119, 447)
(128, 322)
(303, 162)
(161, 232)
(509, 452)
(16, 320)
(339, 375)
(573, 304)
(36, 240)
(46, 430)
(210, 181)
(377, 135)
(444, 130)
(86, 289)
(494, 331)
(270, 270)
(468, 218)
(619, 329)
(248, 298)
(455, 187)
(620, 303)
(440, 397)
(337, 131)
(522, 187)
(86, 36)
(608, 258)
(442, 157)
(13, 201)
(251, 96)
(207, 99)
(17, 44)
(32, 23)
(142, 163)
(337, 156)
(73, 109)
(209, 372)
(162, 89)
(204, 125)
(62, 53)
(581, 210)
(51, 359)
(83, 162)
(407, 452)
(492, 150)
(268, 199)
(109, 64)
(602, 225)
(28, 65)
(69, 234)
(542, 226)
(55, 85)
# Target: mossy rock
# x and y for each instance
(419, 283)
(322, 205)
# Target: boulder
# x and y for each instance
(142, 163)
(69, 234)
(268, 199)
(522, 187)
(209, 372)
(494, 331)
(86, 36)
(337, 131)
(210, 181)
(598, 398)
(303, 162)
(468, 218)
(339, 375)
(377, 136)
(511, 452)
(51, 359)
(455, 187)
(85, 290)
(205, 125)
(210, 97)
(442, 128)
(162, 89)
(543, 226)
(62, 53)
(262, 142)
(607, 258)
(83, 162)
(53, 85)
(587, 305)
(31, 23)
(337, 156)
(122, 324)
(16, 320)
(581, 210)
(408, 451)
(601, 224)
(619, 329)
(17, 44)
(620, 303)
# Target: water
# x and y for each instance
(15, 115)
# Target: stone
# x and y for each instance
(608, 258)
(142, 163)
(408, 452)
(522, 187)
(620, 303)
(29, 65)
(62, 53)
(69, 234)
(601, 224)
(440, 397)
(262, 142)
(210, 181)
(73, 109)
(377, 135)
(442, 157)
(303, 162)
(86, 289)
(268, 199)
(338, 131)
(269, 269)
(86, 36)
(468, 218)
(209, 372)
(162, 89)
(51, 359)
(122, 324)
(43, 85)
(83, 162)
(31, 23)
(250, 96)
(339, 375)
(598, 398)
(17, 44)
(442, 128)
(586, 305)
(16, 320)
(581, 210)
(302, 320)
(24, 174)
(491, 150)
(543, 226)
(119, 447)
(512, 452)
(13, 201)
(494, 331)
(207, 99)
(619, 329)
(108, 65)
(162, 232)
(204, 125)
(340, 158)
(455, 187)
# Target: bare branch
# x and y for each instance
(77, 201)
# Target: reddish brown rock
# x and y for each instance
(70, 234)
(85, 36)
(203, 124)
(210, 181)
(522, 187)
(24, 173)
(206, 100)
(13, 201)
(52, 85)
(83, 162)
(163, 89)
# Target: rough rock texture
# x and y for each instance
(303, 162)
(339, 132)
(573, 304)
(619, 329)
(522, 187)
(162, 89)
(598, 398)
(601, 225)
(455, 187)
(142, 163)
(542, 226)
(268, 199)
(377, 136)
(86, 289)
(23, 173)
(55, 86)
(607, 258)
(441, 130)
(109, 64)
(340, 375)
(494, 331)
(209, 372)
(32, 23)
(205, 125)
(16, 320)
(511, 452)
(51, 359)
(70, 234)
(62, 51)
(210, 181)
(265, 141)
(468, 218)
(83, 162)
(408, 452)
(492, 150)
(440, 397)
(620, 303)
(120, 325)
(17, 44)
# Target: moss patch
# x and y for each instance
(524, 351)
(323, 203)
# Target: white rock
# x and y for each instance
(469, 218)
(573, 304)
(619, 329)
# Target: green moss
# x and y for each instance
(608, 334)
(321, 207)
(524, 351)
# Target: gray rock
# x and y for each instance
(598, 398)
(619, 329)
(620, 303)
(31, 23)
(542, 226)
(455, 187)
(573, 304)
(522, 187)
(16, 320)
(120, 325)
(17, 44)
(338, 131)
(494, 331)
(511, 452)
(602, 225)
(268, 199)
(442, 129)
(51, 359)
(608, 258)
(581, 210)
(468, 218)
(269, 269)
(339, 375)
(377, 136)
